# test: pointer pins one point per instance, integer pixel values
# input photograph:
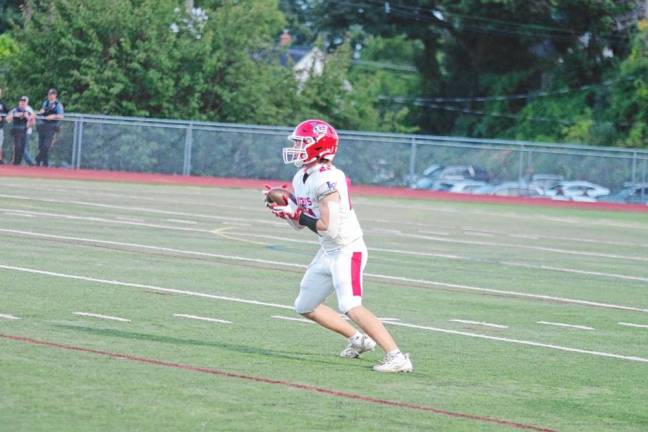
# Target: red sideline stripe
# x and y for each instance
(229, 182)
(356, 274)
(306, 387)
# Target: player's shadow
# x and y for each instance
(245, 349)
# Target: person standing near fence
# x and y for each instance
(51, 114)
(3, 113)
(30, 128)
(22, 118)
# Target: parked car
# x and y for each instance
(519, 189)
(436, 175)
(577, 191)
(545, 181)
(636, 193)
(460, 186)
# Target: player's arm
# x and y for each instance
(329, 222)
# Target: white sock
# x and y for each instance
(356, 338)
(393, 352)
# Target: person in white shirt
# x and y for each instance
(323, 204)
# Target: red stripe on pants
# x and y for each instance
(356, 274)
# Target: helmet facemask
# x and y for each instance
(297, 154)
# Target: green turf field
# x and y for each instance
(475, 293)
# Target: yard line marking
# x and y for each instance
(576, 271)
(463, 258)
(182, 221)
(144, 287)
(413, 253)
(442, 233)
(524, 342)
(95, 191)
(389, 319)
(485, 324)
(9, 317)
(13, 213)
(220, 232)
(478, 234)
(129, 218)
(216, 320)
(254, 302)
(113, 221)
(510, 293)
(140, 209)
(107, 317)
(190, 191)
(557, 324)
(372, 275)
(529, 247)
(293, 319)
(287, 384)
(633, 325)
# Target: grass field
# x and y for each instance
(475, 293)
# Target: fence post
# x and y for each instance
(412, 161)
(79, 143)
(634, 167)
(521, 165)
(75, 137)
(643, 177)
(186, 167)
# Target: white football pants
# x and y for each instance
(340, 271)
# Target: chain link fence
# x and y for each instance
(247, 151)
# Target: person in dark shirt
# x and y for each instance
(51, 113)
(22, 118)
(3, 112)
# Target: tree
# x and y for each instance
(152, 58)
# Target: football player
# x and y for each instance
(323, 204)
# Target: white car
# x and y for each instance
(576, 191)
(459, 186)
(513, 188)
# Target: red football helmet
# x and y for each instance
(312, 140)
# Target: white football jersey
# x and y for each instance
(311, 185)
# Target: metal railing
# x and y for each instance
(235, 150)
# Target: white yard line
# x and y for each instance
(195, 317)
(372, 275)
(270, 222)
(106, 317)
(576, 271)
(296, 240)
(524, 342)
(143, 286)
(304, 320)
(182, 221)
(302, 241)
(481, 323)
(634, 325)
(458, 257)
(557, 324)
(129, 218)
(477, 234)
(254, 302)
(140, 209)
(561, 220)
(13, 213)
(8, 317)
(528, 247)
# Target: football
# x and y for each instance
(279, 196)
